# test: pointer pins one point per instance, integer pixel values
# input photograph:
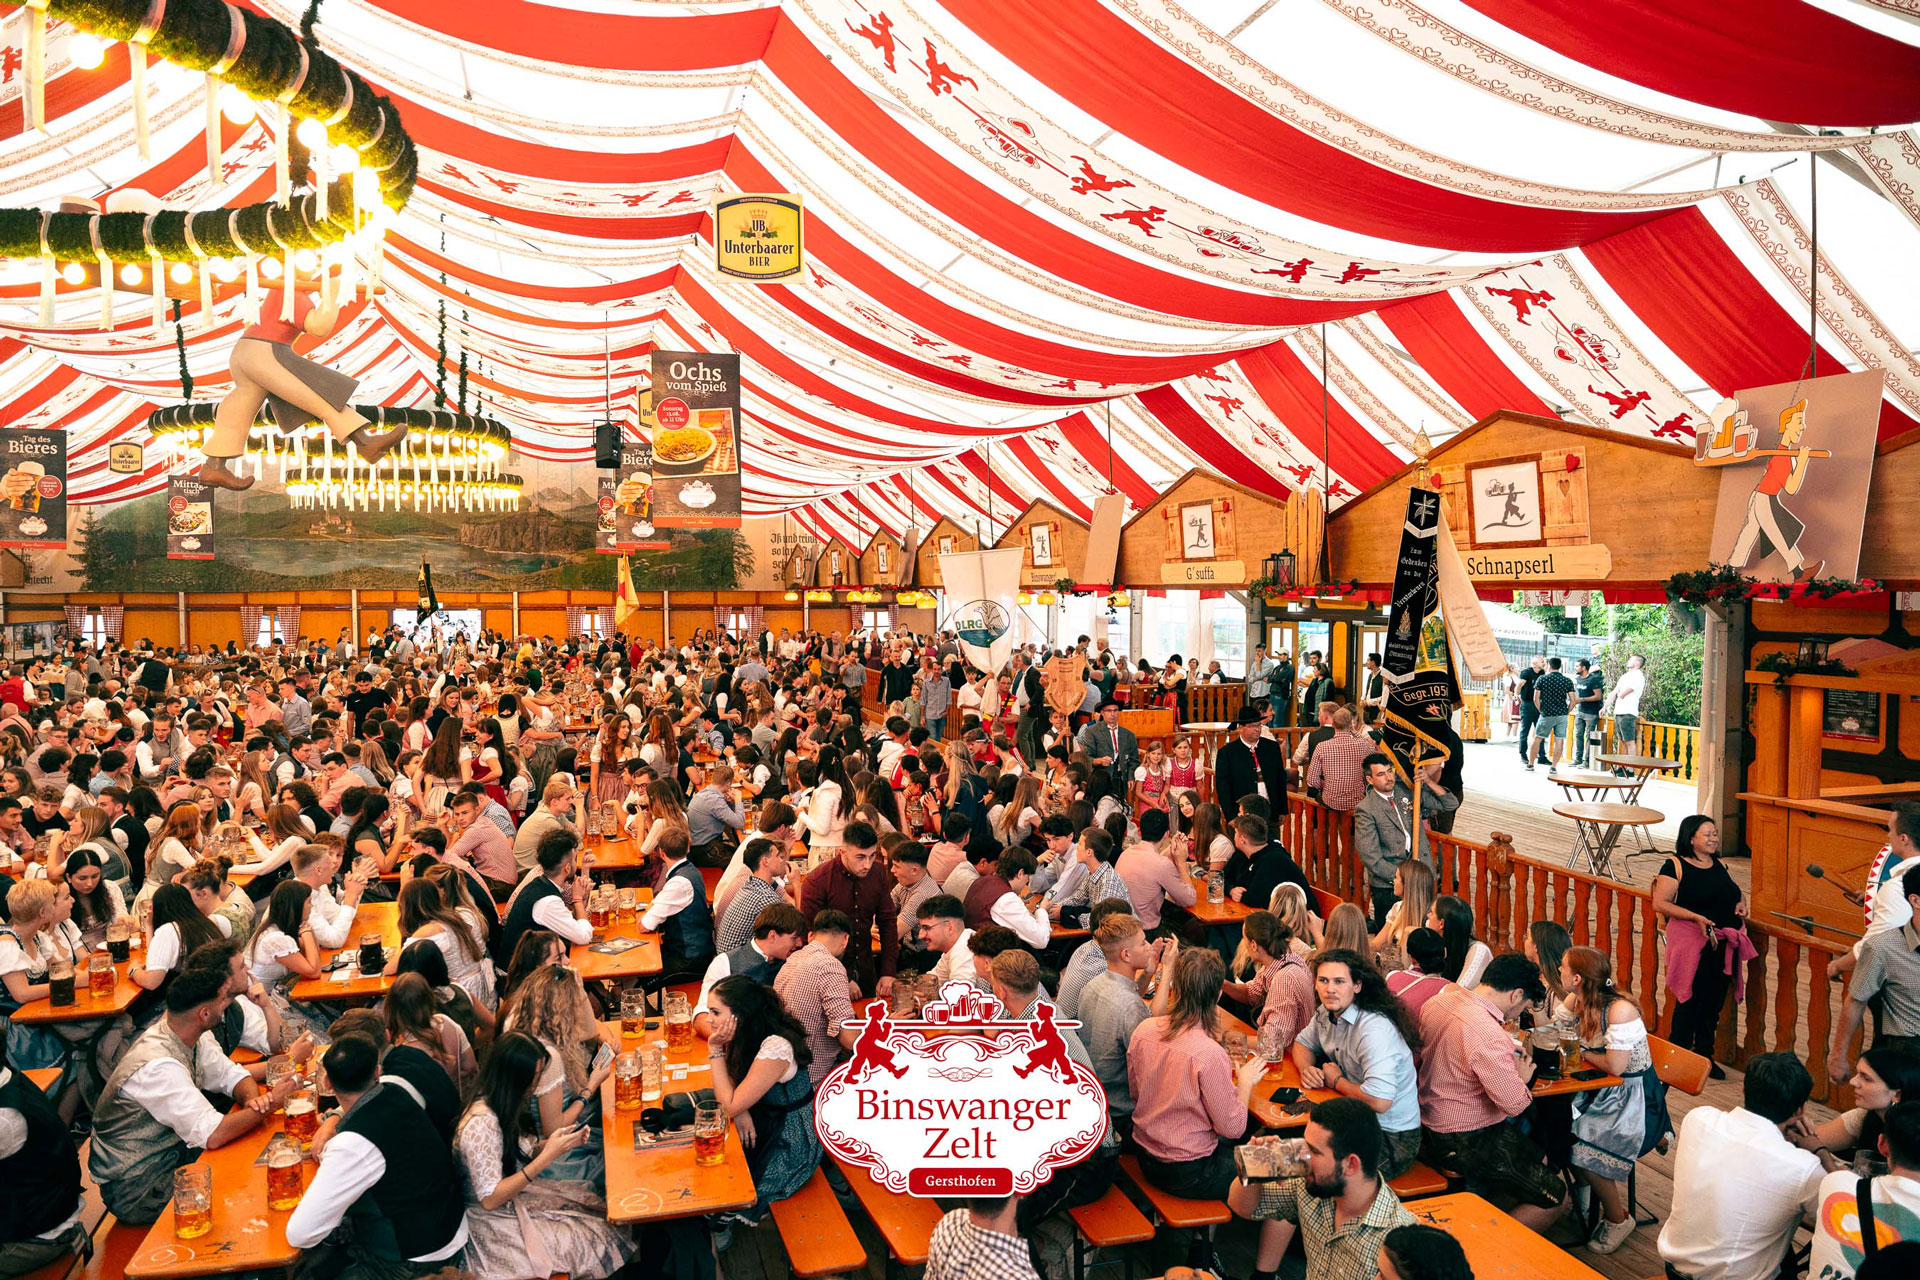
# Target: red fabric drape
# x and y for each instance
(627, 42)
(1185, 422)
(1696, 295)
(1101, 62)
(1437, 335)
(1775, 59)
(1293, 391)
(250, 615)
(1089, 437)
(289, 615)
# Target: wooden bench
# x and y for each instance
(114, 1246)
(1418, 1181)
(905, 1222)
(814, 1228)
(1107, 1223)
(1176, 1211)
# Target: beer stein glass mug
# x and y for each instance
(709, 1133)
(633, 1013)
(192, 1201)
(626, 1081)
(102, 977)
(283, 1171)
(653, 1072)
(60, 980)
(679, 1023)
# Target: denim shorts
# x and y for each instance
(1550, 727)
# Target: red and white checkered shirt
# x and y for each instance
(813, 986)
(1335, 769)
(1469, 1077)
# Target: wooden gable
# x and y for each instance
(838, 565)
(881, 563)
(1203, 531)
(1053, 543)
(946, 536)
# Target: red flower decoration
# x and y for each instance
(1573, 463)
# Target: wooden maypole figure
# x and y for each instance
(266, 370)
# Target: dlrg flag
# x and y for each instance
(1417, 661)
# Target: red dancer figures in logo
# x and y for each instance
(870, 1052)
(1049, 1048)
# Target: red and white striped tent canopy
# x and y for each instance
(1061, 246)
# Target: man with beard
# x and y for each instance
(1342, 1208)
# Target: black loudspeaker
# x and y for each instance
(606, 445)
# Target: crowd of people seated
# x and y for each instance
(952, 828)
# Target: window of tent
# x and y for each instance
(93, 630)
(737, 622)
(1227, 620)
(872, 619)
(269, 632)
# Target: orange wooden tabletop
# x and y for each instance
(372, 917)
(634, 962)
(1496, 1245)
(1284, 1075)
(649, 1186)
(42, 1077)
(85, 1007)
(1228, 912)
(613, 855)
(246, 1235)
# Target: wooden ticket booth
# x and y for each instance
(838, 565)
(881, 564)
(945, 538)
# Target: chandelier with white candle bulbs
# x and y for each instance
(449, 462)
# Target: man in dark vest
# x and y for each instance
(386, 1175)
(152, 1116)
(680, 913)
(998, 898)
(40, 1214)
(778, 931)
(553, 898)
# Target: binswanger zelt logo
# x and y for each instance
(958, 1103)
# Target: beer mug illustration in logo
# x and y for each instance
(21, 486)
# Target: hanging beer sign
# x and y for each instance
(757, 238)
(126, 459)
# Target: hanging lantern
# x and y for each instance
(1119, 600)
(1024, 598)
(1048, 597)
(1280, 568)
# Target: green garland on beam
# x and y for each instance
(194, 34)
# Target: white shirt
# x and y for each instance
(332, 921)
(674, 896)
(1739, 1192)
(349, 1166)
(1034, 929)
(164, 952)
(1627, 690)
(173, 1097)
(1889, 909)
(956, 964)
(1896, 1207)
(554, 914)
(13, 1136)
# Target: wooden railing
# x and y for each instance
(1668, 741)
(1215, 702)
(1789, 1005)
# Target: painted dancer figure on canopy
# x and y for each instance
(266, 371)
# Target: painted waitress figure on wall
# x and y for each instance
(266, 370)
(1768, 517)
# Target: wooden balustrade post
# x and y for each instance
(1652, 997)
(1819, 1023)
(1786, 1003)
(1582, 893)
(1727, 1045)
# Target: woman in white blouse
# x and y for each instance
(460, 935)
(177, 847)
(824, 820)
(1467, 956)
(519, 1222)
(284, 950)
(179, 928)
(288, 832)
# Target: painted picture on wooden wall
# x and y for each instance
(1795, 462)
(1505, 500)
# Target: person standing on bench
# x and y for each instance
(1343, 1207)
(41, 1216)
(152, 1116)
(387, 1174)
(1186, 1096)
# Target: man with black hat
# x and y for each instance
(1110, 746)
(1250, 765)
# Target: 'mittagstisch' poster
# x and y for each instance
(33, 488)
(696, 440)
(189, 519)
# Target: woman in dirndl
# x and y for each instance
(760, 1075)
(1615, 1126)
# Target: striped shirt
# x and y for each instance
(959, 1250)
(1469, 1078)
(1284, 992)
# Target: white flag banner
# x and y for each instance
(980, 587)
(1473, 640)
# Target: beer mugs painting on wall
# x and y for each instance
(33, 488)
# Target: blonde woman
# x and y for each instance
(1347, 931)
(1414, 884)
(552, 1007)
(1290, 904)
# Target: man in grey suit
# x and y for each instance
(1109, 745)
(1384, 829)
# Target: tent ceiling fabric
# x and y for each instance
(1058, 246)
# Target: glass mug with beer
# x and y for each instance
(626, 1081)
(303, 1116)
(284, 1182)
(120, 939)
(101, 977)
(633, 1013)
(709, 1133)
(597, 909)
(192, 1201)
(679, 1023)
(629, 910)
(373, 955)
(60, 978)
